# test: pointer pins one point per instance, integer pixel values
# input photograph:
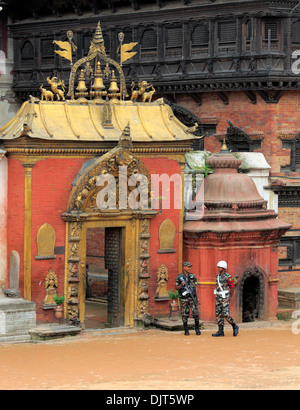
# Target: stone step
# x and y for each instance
(53, 331)
(17, 316)
(289, 298)
(174, 323)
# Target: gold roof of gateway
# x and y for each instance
(97, 108)
(72, 120)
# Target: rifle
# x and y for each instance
(188, 290)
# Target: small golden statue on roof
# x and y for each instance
(55, 83)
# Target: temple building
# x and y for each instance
(194, 72)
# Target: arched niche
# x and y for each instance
(252, 295)
(46, 238)
(167, 233)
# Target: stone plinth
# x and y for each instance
(174, 323)
(53, 331)
(17, 316)
(289, 298)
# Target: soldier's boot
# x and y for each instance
(186, 329)
(197, 327)
(235, 329)
(220, 332)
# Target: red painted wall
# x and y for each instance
(15, 214)
(51, 186)
(239, 257)
(162, 166)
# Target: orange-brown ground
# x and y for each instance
(259, 358)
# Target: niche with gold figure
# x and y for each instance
(51, 283)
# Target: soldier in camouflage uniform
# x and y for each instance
(223, 293)
(185, 300)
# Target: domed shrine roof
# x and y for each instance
(231, 201)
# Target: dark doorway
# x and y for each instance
(103, 278)
(251, 303)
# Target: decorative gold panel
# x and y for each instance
(167, 233)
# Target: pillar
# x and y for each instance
(3, 220)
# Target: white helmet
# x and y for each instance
(222, 264)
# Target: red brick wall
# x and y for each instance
(253, 118)
(290, 215)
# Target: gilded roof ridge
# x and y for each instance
(76, 120)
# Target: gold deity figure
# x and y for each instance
(162, 282)
(51, 283)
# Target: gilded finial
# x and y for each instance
(98, 38)
(114, 91)
(224, 148)
(125, 138)
(126, 131)
(81, 89)
(97, 53)
(98, 86)
(97, 44)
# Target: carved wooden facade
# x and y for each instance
(206, 47)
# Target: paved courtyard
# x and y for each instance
(259, 358)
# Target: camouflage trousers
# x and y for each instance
(185, 306)
(223, 311)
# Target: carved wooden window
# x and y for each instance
(3, 33)
(295, 35)
(148, 44)
(290, 251)
(174, 40)
(294, 146)
(47, 50)
(297, 252)
(270, 35)
(227, 33)
(27, 54)
(200, 39)
(247, 30)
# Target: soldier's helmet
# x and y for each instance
(222, 264)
